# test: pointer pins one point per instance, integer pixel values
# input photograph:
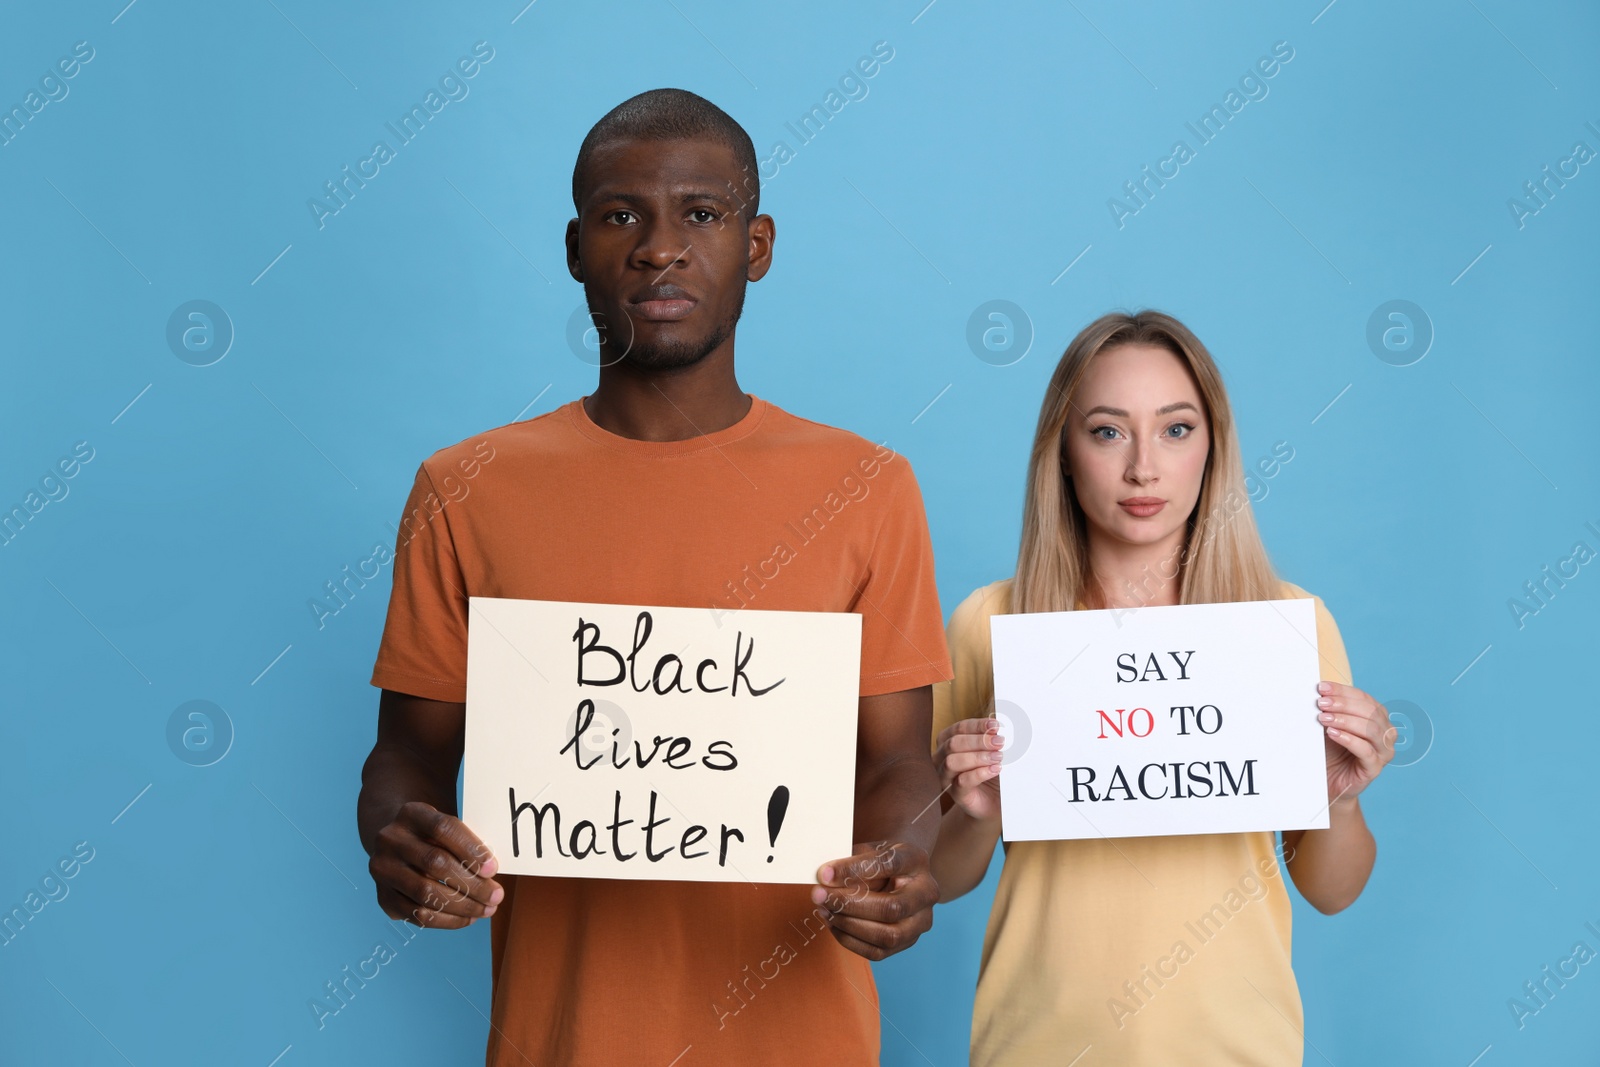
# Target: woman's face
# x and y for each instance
(1137, 441)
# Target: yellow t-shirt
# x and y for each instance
(1134, 950)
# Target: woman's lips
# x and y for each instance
(1142, 506)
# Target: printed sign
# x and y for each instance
(1194, 719)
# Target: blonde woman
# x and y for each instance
(1146, 950)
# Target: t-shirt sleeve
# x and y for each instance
(1330, 647)
(1333, 664)
(902, 625)
(424, 647)
(971, 692)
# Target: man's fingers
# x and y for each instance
(872, 862)
(875, 906)
(876, 937)
(425, 893)
(451, 833)
(400, 908)
(413, 870)
(858, 946)
(438, 865)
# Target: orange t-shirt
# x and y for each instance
(774, 512)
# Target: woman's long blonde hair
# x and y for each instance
(1222, 558)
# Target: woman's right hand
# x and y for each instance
(968, 757)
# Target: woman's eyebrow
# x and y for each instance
(1169, 409)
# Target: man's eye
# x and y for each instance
(621, 216)
(701, 214)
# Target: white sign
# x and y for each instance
(615, 741)
(1193, 719)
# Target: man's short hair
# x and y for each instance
(671, 115)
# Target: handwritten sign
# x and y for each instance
(614, 741)
(1193, 719)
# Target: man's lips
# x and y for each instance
(663, 310)
(662, 303)
(1142, 506)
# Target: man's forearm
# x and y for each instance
(900, 802)
(391, 778)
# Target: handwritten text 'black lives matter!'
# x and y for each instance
(655, 744)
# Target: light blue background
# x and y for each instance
(978, 167)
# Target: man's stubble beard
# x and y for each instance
(680, 354)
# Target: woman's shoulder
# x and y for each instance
(1290, 591)
(1330, 642)
(986, 600)
(1327, 626)
(969, 623)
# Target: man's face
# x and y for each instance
(662, 249)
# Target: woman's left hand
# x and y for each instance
(1358, 737)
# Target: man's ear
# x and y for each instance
(763, 231)
(574, 265)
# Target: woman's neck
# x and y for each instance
(1123, 575)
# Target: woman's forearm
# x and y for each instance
(1330, 867)
(961, 856)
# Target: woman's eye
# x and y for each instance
(1179, 430)
(1105, 433)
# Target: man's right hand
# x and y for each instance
(432, 871)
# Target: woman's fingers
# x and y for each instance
(1349, 710)
(973, 779)
(1359, 747)
(966, 745)
(967, 733)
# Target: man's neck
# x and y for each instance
(693, 402)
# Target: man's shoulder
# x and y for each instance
(522, 436)
(785, 426)
(831, 449)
